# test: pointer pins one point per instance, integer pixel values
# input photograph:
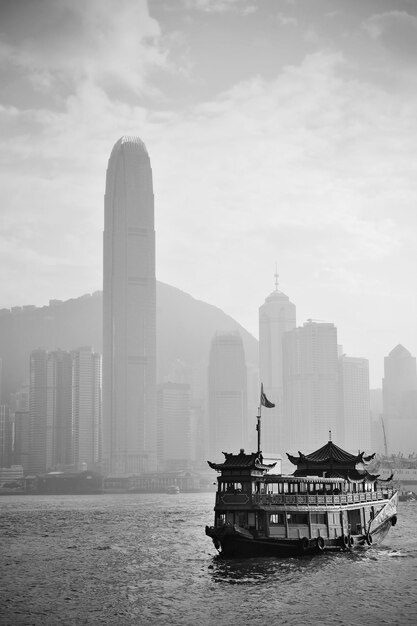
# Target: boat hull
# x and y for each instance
(234, 542)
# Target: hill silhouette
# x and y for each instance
(185, 327)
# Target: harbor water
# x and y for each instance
(145, 559)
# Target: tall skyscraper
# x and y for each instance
(311, 393)
(399, 391)
(129, 312)
(227, 395)
(6, 437)
(355, 412)
(86, 407)
(174, 426)
(37, 410)
(59, 451)
(276, 316)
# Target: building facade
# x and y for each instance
(355, 412)
(399, 396)
(59, 452)
(311, 392)
(86, 408)
(227, 395)
(174, 426)
(276, 316)
(38, 368)
(129, 312)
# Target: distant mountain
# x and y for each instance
(185, 328)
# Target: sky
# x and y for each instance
(281, 134)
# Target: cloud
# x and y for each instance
(70, 42)
(397, 30)
(245, 7)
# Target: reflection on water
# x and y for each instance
(145, 559)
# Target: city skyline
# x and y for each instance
(301, 146)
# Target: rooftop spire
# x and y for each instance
(276, 277)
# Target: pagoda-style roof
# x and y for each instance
(252, 461)
(330, 453)
(332, 461)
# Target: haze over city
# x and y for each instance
(279, 132)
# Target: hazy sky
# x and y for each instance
(278, 130)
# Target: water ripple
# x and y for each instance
(144, 559)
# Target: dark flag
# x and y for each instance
(264, 400)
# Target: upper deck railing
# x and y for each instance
(303, 500)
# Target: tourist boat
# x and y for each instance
(331, 502)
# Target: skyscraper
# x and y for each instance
(311, 394)
(227, 395)
(174, 426)
(399, 391)
(59, 451)
(129, 312)
(276, 316)
(355, 412)
(86, 407)
(37, 410)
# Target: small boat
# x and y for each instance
(331, 502)
(407, 496)
(173, 489)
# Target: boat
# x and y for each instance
(330, 503)
(407, 496)
(173, 489)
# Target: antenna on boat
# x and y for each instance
(276, 276)
(330, 435)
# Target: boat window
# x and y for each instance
(285, 487)
(276, 519)
(297, 518)
(273, 487)
(221, 519)
(334, 518)
(318, 518)
(303, 488)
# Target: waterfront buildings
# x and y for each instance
(227, 394)
(311, 392)
(276, 316)
(129, 312)
(64, 412)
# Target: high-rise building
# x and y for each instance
(227, 395)
(129, 312)
(174, 426)
(6, 436)
(59, 453)
(37, 410)
(311, 394)
(21, 447)
(355, 413)
(399, 392)
(276, 316)
(86, 407)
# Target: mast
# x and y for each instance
(258, 427)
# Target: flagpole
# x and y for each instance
(258, 425)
